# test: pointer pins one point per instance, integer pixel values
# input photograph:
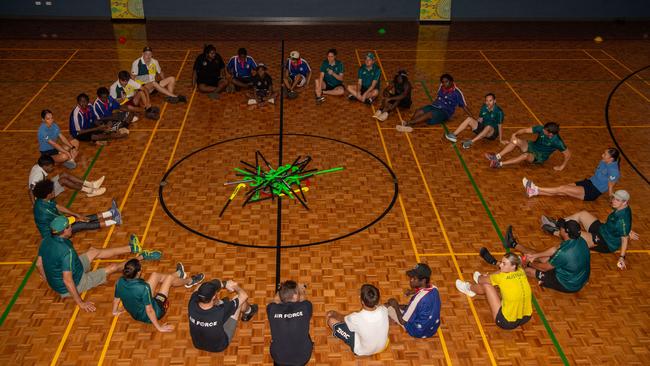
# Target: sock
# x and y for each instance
(110, 222)
(106, 214)
(86, 189)
(498, 156)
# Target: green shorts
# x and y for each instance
(438, 116)
(88, 280)
(538, 156)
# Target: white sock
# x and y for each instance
(499, 156)
(110, 222)
(106, 214)
(86, 189)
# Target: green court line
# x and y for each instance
(33, 266)
(549, 330)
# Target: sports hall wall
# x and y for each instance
(407, 10)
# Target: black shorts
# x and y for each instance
(209, 82)
(163, 302)
(600, 244)
(85, 137)
(342, 332)
(331, 87)
(548, 279)
(261, 93)
(505, 324)
(481, 126)
(405, 103)
(50, 152)
(591, 192)
(244, 79)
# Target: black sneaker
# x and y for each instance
(369, 101)
(171, 100)
(251, 313)
(546, 220)
(196, 279)
(550, 228)
(182, 98)
(352, 97)
(487, 256)
(510, 240)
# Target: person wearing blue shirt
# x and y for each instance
(604, 179)
(448, 98)
(104, 105)
(298, 73)
(421, 317)
(51, 142)
(241, 69)
(84, 126)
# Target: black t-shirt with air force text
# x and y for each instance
(206, 326)
(290, 340)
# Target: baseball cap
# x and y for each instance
(261, 66)
(370, 55)
(294, 55)
(207, 290)
(421, 270)
(147, 49)
(622, 195)
(59, 224)
(572, 228)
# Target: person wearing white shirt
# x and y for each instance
(146, 71)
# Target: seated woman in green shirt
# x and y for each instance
(514, 307)
(137, 295)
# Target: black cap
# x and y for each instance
(572, 228)
(147, 48)
(207, 290)
(421, 270)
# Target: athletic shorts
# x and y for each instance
(331, 87)
(538, 157)
(88, 280)
(302, 82)
(548, 279)
(600, 244)
(438, 116)
(163, 303)
(342, 332)
(50, 152)
(505, 324)
(85, 137)
(404, 103)
(58, 188)
(591, 192)
(244, 79)
(210, 81)
(481, 126)
(261, 93)
(129, 102)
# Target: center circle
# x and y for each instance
(345, 189)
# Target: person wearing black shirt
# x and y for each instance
(262, 87)
(213, 321)
(208, 74)
(289, 315)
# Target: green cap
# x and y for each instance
(59, 224)
(370, 55)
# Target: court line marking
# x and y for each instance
(483, 60)
(111, 330)
(619, 77)
(538, 308)
(39, 91)
(441, 336)
(625, 67)
(511, 88)
(125, 198)
(139, 50)
(441, 224)
(564, 127)
(484, 49)
(130, 130)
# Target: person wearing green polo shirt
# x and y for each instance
(609, 237)
(538, 151)
(147, 301)
(564, 267)
(330, 80)
(68, 273)
(368, 83)
(487, 126)
(46, 209)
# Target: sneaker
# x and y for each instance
(230, 88)
(70, 164)
(135, 119)
(368, 101)
(476, 276)
(155, 109)
(404, 128)
(548, 221)
(134, 243)
(248, 316)
(196, 279)
(320, 99)
(182, 98)
(352, 97)
(550, 228)
(495, 164)
(115, 213)
(378, 112)
(383, 117)
(510, 240)
(123, 131)
(96, 192)
(491, 156)
(180, 269)
(98, 183)
(151, 114)
(271, 100)
(464, 287)
(252, 101)
(213, 95)
(487, 256)
(467, 144)
(451, 137)
(171, 100)
(151, 255)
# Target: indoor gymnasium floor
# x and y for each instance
(450, 203)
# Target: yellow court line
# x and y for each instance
(445, 351)
(14, 263)
(130, 130)
(511, 88)
(442, 227)
(483, 60)
(485, 49)
(618, 77)
(564, 127)
(625, 67)
(39, 91)
(83, 59)
(110, 232)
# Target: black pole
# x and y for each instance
(278, 241)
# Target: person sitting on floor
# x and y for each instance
(208, 75)
(421, 317)
(368, 83)
(487, 126)
(84, 126)
(132, 96)
(146, 71)
(69, 274)
(107, 110)
(147, 301)
(52, 142)
(262, 87)
(241, 68)
(45, 166)
(298, 74)
(330, 80)
(396, 94)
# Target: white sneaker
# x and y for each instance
(135, 119)
(382, 117)
(272, 101)
(98, 183)
(531, 188)
(96, 192)
(464, 287)
(377, 113)
(403, 128)
(476, 276)
(252, 102)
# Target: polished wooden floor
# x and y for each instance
(450, 203)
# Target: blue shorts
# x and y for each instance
(342, 332)
(438, 116)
